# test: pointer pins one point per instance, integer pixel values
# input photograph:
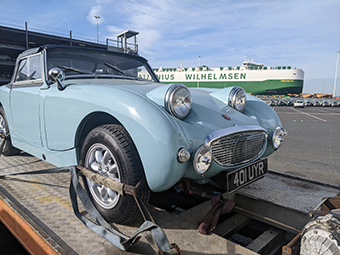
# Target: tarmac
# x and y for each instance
(312, 147)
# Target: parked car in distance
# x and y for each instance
(316, 103)
(308, 103)
(281, 103)
(325, 104)
(107, 111)
(271, 103)
(289, 103)
(299, 103)
(335, 104)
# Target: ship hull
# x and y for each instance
(267, 87)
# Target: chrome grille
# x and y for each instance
(238, 148)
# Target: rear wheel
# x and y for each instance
(8, 149)
(109, 151)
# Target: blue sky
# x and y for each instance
(297, 33)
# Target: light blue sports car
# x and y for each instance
(76, 105)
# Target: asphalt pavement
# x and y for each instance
(312, 147)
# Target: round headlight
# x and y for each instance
(278, 137)
(178, 100)
(237, 98)
(202, 159)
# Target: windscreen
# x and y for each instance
(97, 63)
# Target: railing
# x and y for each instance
(119, 45)
(111, 44)
(33, 27)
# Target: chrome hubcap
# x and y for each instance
(2, 125)
(100, 160)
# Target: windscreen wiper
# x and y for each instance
(115, 68)
(73, 69)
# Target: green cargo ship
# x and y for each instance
(255, 78)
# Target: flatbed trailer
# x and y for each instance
(37, 210)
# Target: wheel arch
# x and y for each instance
(90, 122)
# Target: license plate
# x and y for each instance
(246, 175)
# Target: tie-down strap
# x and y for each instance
(121, 188)
(108, 231)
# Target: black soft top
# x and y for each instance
(55, 46)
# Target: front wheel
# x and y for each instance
(109, 151)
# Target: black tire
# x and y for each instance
(8, 149)
(110, 151)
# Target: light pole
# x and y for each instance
(199, 63)
(97, 17)
(336, 72)
(323, 85)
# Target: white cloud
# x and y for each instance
(114, 30)
(164, 23)
(95, 11)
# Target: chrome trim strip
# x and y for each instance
(232, 130)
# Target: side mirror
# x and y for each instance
(57, 75)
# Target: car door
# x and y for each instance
(25, 103)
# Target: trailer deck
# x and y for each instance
(37, 209)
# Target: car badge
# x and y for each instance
(226, 116)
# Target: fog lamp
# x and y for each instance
(183, 155)
(202, 160)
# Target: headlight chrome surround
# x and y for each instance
(177, 100)
(202, 160)
(278, 137)
(237, 98)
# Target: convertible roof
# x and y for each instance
(54, 46)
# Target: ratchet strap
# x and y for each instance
(219, 206)
(329, 204)
(111, 233)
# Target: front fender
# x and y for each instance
(266, 117)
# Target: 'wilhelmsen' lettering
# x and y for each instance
(199, 76)
(214, 76)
